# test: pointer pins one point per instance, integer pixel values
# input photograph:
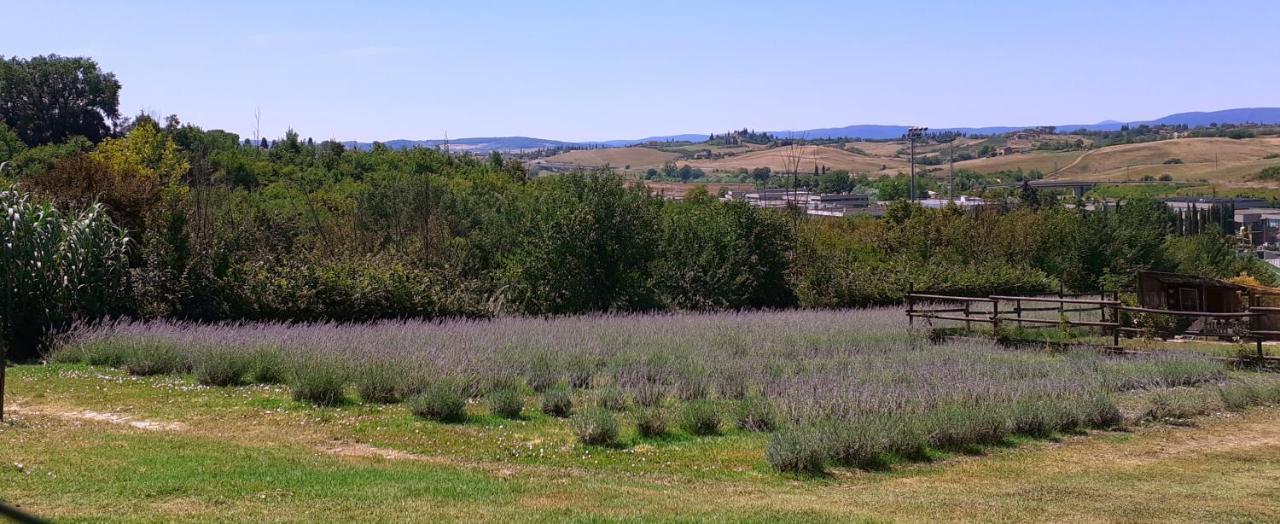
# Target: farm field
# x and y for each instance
(1220, 160)
(636, 157)
(776, 160)
(124, 407)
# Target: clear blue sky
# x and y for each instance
(610, 70)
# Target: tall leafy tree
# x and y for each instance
(47, 99)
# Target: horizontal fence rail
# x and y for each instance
(1240, 325)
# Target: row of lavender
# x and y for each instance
(846, 387)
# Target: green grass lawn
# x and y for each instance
(89, 443)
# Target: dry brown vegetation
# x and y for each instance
(1212, 159)
(776, 160)
(636, 157)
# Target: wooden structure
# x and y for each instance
(1176, 292)
(1246, 320)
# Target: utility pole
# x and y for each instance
(913, 134)
(951, 187)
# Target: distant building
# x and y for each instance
(964, 202)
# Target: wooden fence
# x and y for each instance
(998, 310)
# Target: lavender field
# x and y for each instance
(834, 388)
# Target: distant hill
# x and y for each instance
(1255, 115)
(475, 145)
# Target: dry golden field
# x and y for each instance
(636, 157)
(776, 159)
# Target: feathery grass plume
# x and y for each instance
(596, 427)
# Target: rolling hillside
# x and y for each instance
(636, 157)
(776, 160)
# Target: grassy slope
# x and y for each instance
(251, 454)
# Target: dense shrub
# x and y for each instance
(153, 358)
(596, 427)
(441, 401)
(268, 366)
(557, 402)
(506, 402)
(611, 397)
(317, 380)
(378, 382)
(692, 385)
(796, 450)
(756, 414)
(648, 393)
(221, 367)
(700, 417)
(651, 422)
(1176, 405)
(580, 370)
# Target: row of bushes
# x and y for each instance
(874, 442)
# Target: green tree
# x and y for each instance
(48, 99)
(10, 145)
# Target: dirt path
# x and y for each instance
(97, 416)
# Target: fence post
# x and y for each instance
(911, 318)
(1102, 309)
(968, 326)
(995, 317)
(1061, 306)
(1115, 317)
(1017, 312)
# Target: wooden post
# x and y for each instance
(1102, 309)
(968, 326)
(1017, 312)
(995, 317)
(1115, 331)
(1061, 306)
(911, 318)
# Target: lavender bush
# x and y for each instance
(854, 387)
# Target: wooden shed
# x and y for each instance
(1178, 292)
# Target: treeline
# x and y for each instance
(215, 228)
